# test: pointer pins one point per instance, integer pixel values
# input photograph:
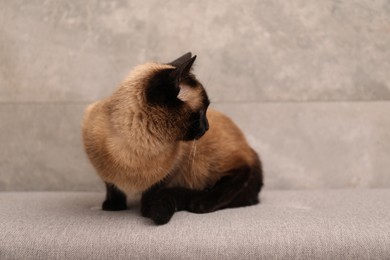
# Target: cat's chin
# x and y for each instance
(199, 136)
(194, 137)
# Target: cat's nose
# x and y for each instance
(200, 134)
(206, 124)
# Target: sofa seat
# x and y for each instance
(309, 224)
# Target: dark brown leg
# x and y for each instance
(161, 203)
(239, 188)
(115, 199)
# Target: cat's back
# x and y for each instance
(225, 136)
(221, 149)
(224, 130)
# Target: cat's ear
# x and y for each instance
(164, 87)
(181, 59)
(183, 69)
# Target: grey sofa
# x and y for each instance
(307, 81)
(321, 224)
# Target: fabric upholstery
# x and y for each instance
(308, 82)
(316, 224)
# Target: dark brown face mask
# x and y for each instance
(198, 126)
(163, 89)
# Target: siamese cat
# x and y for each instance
(157, 137)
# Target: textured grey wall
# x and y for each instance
(308, 81)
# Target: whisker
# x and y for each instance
(190, 155)
(193, 158)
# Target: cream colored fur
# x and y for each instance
(134, 146)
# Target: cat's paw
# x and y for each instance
(161, 212)
(199, 207)
(109, 205)
(145, 208)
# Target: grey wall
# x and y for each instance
(308, 82)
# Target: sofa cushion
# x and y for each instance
(328, 224)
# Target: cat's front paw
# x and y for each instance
(200, 206)
(161, 212)
(146, 204)
(109, 205)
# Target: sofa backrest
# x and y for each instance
(308, 84)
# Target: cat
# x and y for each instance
(156, 137)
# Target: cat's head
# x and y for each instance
(175, 100)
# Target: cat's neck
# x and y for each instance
(136, 129)
(134, 133)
